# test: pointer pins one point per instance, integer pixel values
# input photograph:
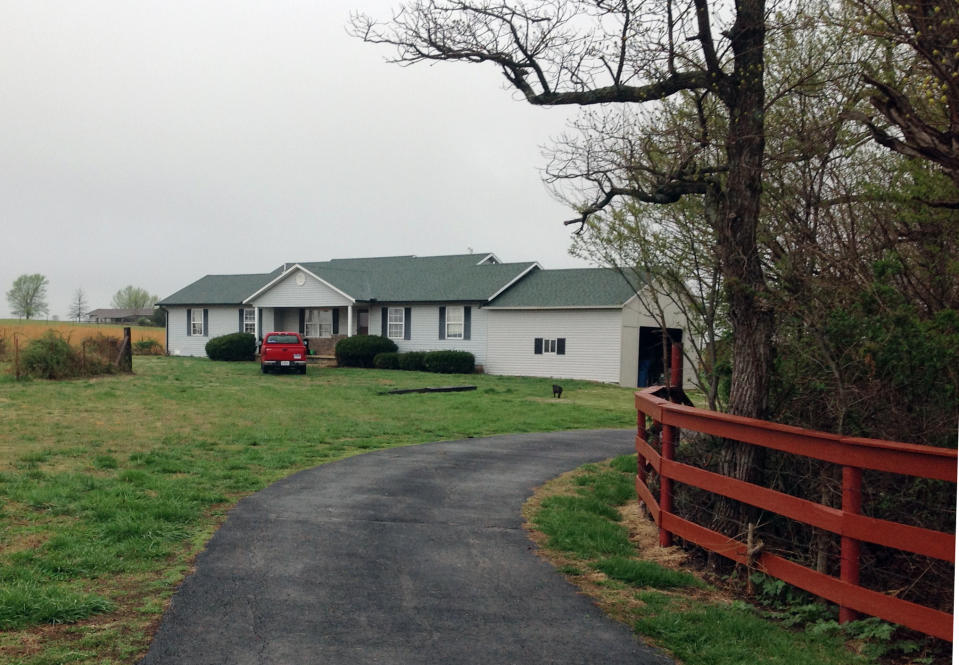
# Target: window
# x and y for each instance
(249, 321)
(318, 323)
(454, 322)
(196, 322)
(395, 328)
(282, 339)
(546, 345)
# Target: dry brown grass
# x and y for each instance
(618, 601)
(72, 332)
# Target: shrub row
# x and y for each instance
(235, 346)
(440, 362)
(359, 351)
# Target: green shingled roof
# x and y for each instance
(387, 279)
(219, 289)
(418, 280)
(579, 287)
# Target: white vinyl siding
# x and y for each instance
(221, 320)
(592, 349)
(424, 324)
(312, 293)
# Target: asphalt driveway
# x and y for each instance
(407, 555)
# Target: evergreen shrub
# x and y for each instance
(450, 362)
(360, 350)
(412, 361)
(389, 360)
(235, 346)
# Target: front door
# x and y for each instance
(363, 322)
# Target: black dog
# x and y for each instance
(557, 391)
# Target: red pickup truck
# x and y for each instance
(283, 350)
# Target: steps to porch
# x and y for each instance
(321, 360)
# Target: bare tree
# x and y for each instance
(78, 305)
(619, 54)
(28, 296)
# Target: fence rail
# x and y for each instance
(852, 454)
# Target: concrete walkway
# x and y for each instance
(408, 555)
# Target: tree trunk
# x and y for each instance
(751, 317)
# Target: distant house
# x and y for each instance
(119, 315)
(515, 318)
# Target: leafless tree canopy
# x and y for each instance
(596, 53)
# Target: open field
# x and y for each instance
(110, 486)
(73, 332)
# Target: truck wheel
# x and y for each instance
(263, 368)
(303, 369)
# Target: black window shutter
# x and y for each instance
(189, 322)
(260, 323)
(241, 320)
(206, 322)
(561, 346)
(302, 321)
(442, 322)
(466, 322)
(336, 322)
(407, 316)
(384, 314)
(538, 345)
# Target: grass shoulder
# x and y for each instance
(588, 524)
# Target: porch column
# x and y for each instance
(349, 320)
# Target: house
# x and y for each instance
(515, 318)
(119, 315)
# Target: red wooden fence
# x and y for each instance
(852, 454)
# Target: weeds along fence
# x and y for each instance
(819, 514)
(51, 356)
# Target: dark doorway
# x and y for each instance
(653, 357)
(363, 322)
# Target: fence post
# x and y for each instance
(666, 487)
(670, 436)
(640, 460)
(849, 557)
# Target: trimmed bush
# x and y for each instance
(450, 362)
(388, 360)
(235, 346)
(412, 361)
(360, 350)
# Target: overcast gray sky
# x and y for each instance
(151, 143)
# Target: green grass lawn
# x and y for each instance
(110, 486)
(578, 523)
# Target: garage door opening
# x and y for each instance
(654, 354)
